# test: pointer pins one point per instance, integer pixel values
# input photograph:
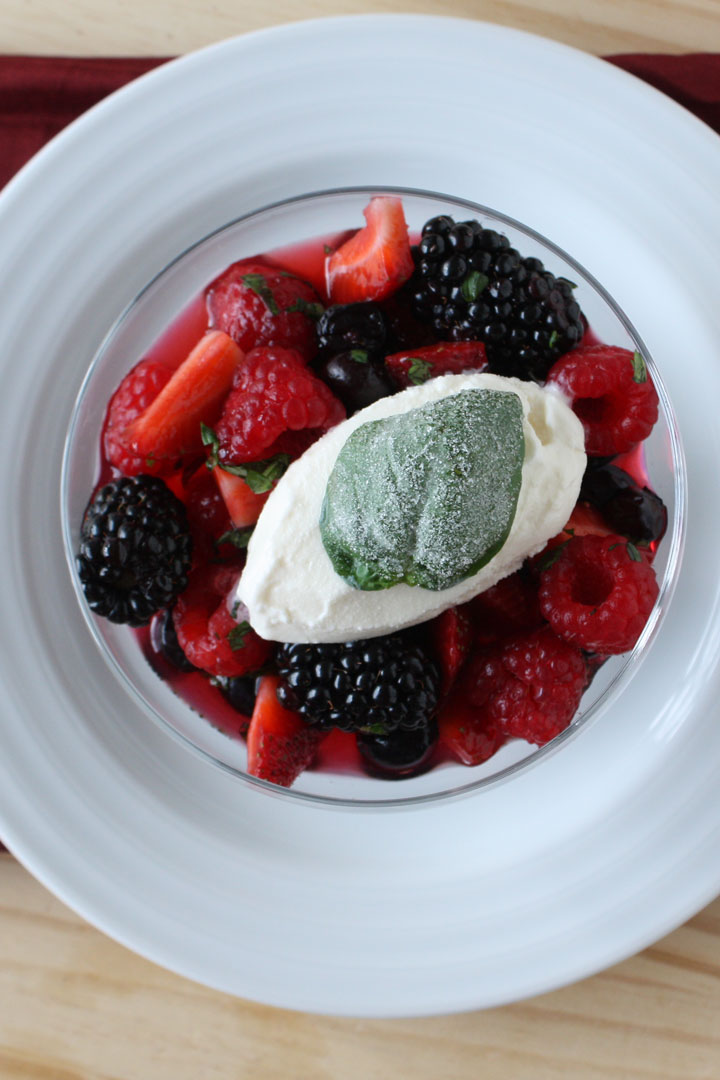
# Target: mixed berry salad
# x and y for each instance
(385, 496)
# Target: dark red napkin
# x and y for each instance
(40, 95)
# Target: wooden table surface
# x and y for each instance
(76, 1006)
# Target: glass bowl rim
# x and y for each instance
(675, 535)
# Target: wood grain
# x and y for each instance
(167, 27)
(77, 1006)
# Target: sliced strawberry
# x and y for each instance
(376, 260)
(452, 637)
(467, 731)
(507, 608)
(209, 635)
(416, 366)
(280, 744)
(170, 426)
(258, 304)
(242, 503)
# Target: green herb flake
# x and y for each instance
(553, 340)
(306, 307)
(239, 538)
(236, 637)
(258, 284)
(633, 552)
(639, 368)
(260, 476)
(473, 285)
(428, 497)
(360, 356)
(419, 371)
(552, 556)
(209, 438)
(327, 249)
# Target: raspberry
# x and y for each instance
(529, 687)
(451, 635)
(207, 632)
(138, 389)
(611, 393)
(273, 394)
(599, 593)
(259, 305)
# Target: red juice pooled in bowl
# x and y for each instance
(412, 359)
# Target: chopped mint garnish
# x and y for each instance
(639, 368)
(360, 356)
(260, 475)
(633, 552)
(236, 637)
(552, 341)
(552, 556)
(572, 284)
(149, 462)
(306, 307)
(419, 370)
(473, 285)
(426, 497)
(327, 249)
(239, 538)
(259, 285)
(209, 438)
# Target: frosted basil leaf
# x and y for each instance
(426, 497)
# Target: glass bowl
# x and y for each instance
(173, 292)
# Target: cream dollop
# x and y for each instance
(289, 586)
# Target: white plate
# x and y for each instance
(473, 903)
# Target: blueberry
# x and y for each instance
(164, 641)
(355, 378)
(401, 753)
(633, 511)
(344, 327)
(240, 692)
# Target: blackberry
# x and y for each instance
(343, 327)
(471, 285)
(135, 549)
(377, 686)
(633, 511)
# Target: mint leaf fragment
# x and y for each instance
(473, 285)
(428, 497)
(327, 249)
(633, 552)
(360, 356)
(239, 538)
(209, 438)
(552, 340)
(639, 368)
(552, 556)
(236, 637)
(419, 370)
(306, 307)
(258, 284)
(260, 475)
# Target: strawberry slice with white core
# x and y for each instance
(377, 260)
(243, 504)
(170, 426)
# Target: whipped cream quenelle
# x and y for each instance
(289, 586)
